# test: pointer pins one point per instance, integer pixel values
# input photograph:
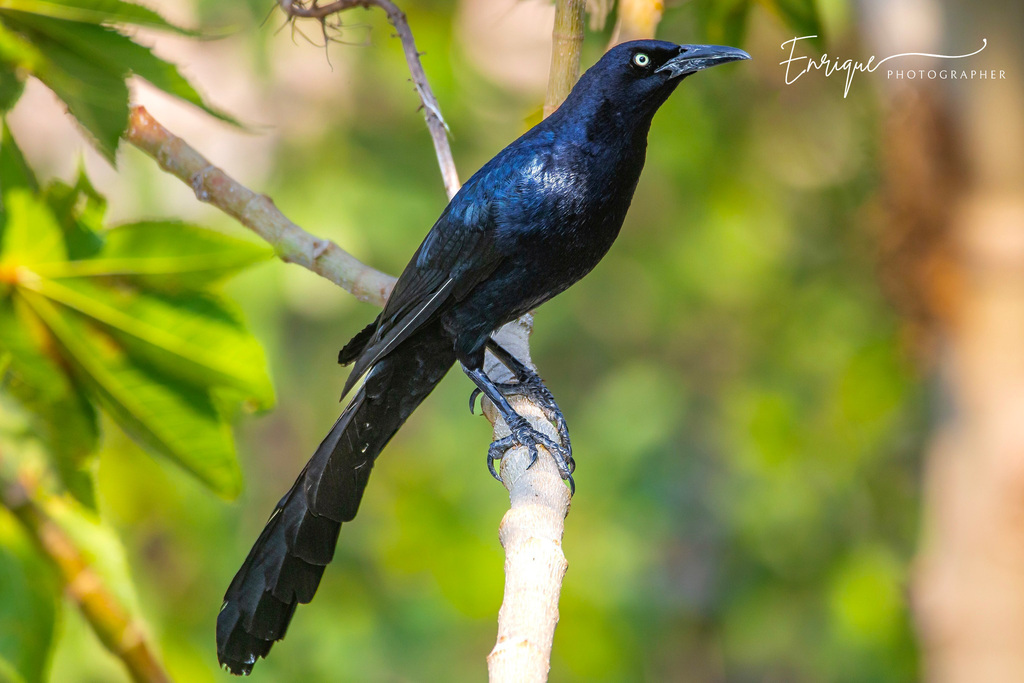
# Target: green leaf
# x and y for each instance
(165, 76)
(172, 417)
(31, 235)
(119, 55)
(95, 12)
(61, 414)
(14, 170)
(195, 338)
(9, 674)
(79, 209)
(12, 84)
(96, 96)
(30, 605)
(167, 256)
(85, 63)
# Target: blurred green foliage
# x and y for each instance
(746, 423)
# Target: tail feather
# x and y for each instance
(355, 346)
(288, 559)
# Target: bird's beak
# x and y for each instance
(694, 58)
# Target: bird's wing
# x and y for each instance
(456, 255)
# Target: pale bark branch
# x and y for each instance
(123, 635)
(256, 212)
(531, 534)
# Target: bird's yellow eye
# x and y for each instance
(641, 59)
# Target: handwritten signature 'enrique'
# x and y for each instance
(830, 66)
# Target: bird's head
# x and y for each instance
(643, 73)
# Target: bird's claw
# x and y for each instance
(522, 434)
(533, 389)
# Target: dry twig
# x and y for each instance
(431, 109)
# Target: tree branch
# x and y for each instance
(256, 212)
(531, 534)
(119, 632)
(531, 531)
(431, 109)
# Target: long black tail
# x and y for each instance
(285, 565)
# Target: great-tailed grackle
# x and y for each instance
(534, 220)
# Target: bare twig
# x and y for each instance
(256, 211)
(431, 109)
(119, 632)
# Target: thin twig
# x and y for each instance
(256, 211)
(431, 109)
(119, 632)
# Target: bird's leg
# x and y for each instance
(528, 384)
(521, 433)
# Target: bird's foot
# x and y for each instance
(532, 388)
(522, 434)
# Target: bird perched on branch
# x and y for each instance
(530, 223)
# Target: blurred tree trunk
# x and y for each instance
(953, 255)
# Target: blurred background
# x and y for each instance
(752, 377)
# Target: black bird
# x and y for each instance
(530, 223)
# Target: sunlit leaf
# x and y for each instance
(14, 172)
(167, 256)
(195, 338)
(8, 673)
(31, 234)
(79, 210)
(94, 12)
(172, 417)
(119, 55)
(62, 416)
(96, 96)
(30, 604)
(12, 84)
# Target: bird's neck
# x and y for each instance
(600, 120)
